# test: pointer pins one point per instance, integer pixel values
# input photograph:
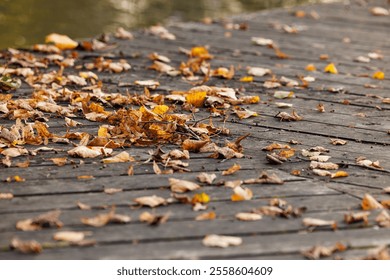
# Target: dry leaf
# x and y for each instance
(49, 219)
(69, 236)
(59, 161)
(153, 219)
(317, 252)
(362, 161)
(151, 84)
(122, 33)
(356, 217)
(379, 253)
(258, 71)
(339, 174)
(6, 196)
(206, 216)
(320, 158)
(262, 41)
(323, 165)
(102, 219)
(386, 190)
(281, 94)
(62, 42)
(14, 152)
(83, 206)
(241, 193)
(130, 170)
(310, 67)
(181, 186)
(121, 157)
(379, 75)
(85, 177)
(200, 198)
(274, 146)
(26, 247)
(284, 116)
(207, 178)
(248, 216)
(338, 141)
(383, 219)
(84, 152)
(331, 68)
(234, 168)
(151, 201)
(221, 241)
(112, 190)
(379, 11)
(313, 222)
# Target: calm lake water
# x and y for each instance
(25, 22)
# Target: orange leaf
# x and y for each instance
(310, 67)
(339, 174)
(196, 98)
(234, 168)
(200, 198)
(62, 42)
(379, 75)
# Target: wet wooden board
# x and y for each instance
(355, 113)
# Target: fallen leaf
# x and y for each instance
(262, 41)
(331, 68)
(357, 217)
(26, 247)
(379, 75)
(83, 206)
(379, 11)
(151, 201)
(258, 71)
(323, 165)
(222, 241)
(102, 219)
(59, 161)
(243, 216)
(280, 94)
(69, 236)
(379, 253)
(339, 174)
(284, 116)
(313, 222)
(85, 152)
(112, 190)
(14, 152)
(122, 33)
(287, 153)
(206, 216)
(274, 146)
(6, 196)
(207, 178)
(200, 198)
(121, 157)
(233, 169)
(246, 79)
(49, 219)
(181, 186)
(362, 161)
(383, 219)
(369, 203)
(153, 219)
(317, 252)
(130, 170)
(310, 67)
(85, 177)
(386, 190)
(241, 193)
(320, 158)
(151, 84)
(62, 42)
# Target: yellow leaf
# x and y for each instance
(310, 67)
(250, 99)
(160, 109)
(17, 178)
(331, 68)
(379, 75)
(200, 52)
(234, 168)
(247, 79)
(196, 98)
(241, 193)
(103, 132)
(200, 198)
(339, 174)
(62, 42)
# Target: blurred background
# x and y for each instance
(25, 22)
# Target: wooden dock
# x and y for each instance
(351, 105)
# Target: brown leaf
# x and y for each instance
(206, 177)
(222, 241)
(241, 193)
(83, 206)
(151, 201)
(313, 222)
(69, 236)
(59, 161)
(317, 252)
(181, 186)
(234, 168)
(130, 170)
(356, 217)
(193, 145)
(338, 141)
(383, 219)
(323, 165)
(103, 219)
(242, 216)
(26, 247)
(370, 203)
(112, 190)
(264, 178)
(85, 152)
(153, 219)
(206, 216)
(379, 253)
(6, 196)
(49, 219)
(275, 146)
(121, 157)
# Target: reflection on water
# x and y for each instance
(24, 22)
